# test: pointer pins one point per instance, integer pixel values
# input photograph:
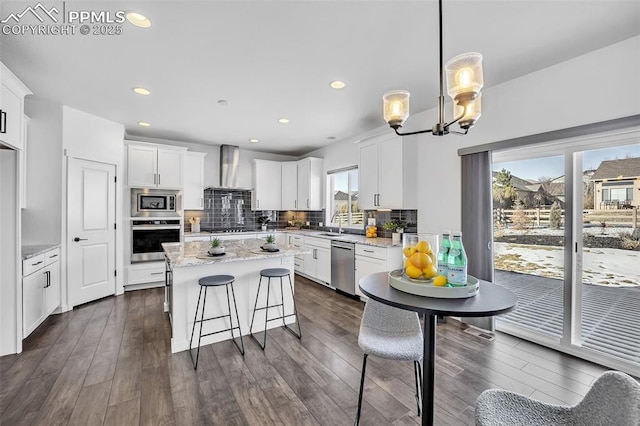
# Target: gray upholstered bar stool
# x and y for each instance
(205, 283)
(275, 273)
(390, 333)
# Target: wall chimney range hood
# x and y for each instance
(229, 164)
(229, 159)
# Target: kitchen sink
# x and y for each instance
(331, 234)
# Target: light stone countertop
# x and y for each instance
(193, 253)
(352, 238)
(34, 250)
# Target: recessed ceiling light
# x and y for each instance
(141, 91)
(223, 102)
(283, 120)
(254, 140)
(138, 19)
(338, 84)
(143, 124)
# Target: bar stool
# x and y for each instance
(274, 273)
(205, 283)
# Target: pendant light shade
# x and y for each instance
(464, 77)
(396, 107)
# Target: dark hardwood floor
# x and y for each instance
(109, 362)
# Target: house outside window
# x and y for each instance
(617, 184)
(342, 199)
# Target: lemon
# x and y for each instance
(407, 262)
(421, 260)
(423, 247)
(408, 251)
(430, 271)
(413, 272)
(440, 281)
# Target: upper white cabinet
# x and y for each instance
(12, 93)
(193, 192)
(267, 185)
(153, 167)
(302, 184)
(388, 173)
(310, 184)
(290, 185)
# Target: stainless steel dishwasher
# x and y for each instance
(343, 259)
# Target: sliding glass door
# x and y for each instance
(567, 241)
(528, 205)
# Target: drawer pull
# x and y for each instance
(52, 256)
(369, 251)
(156, 273)
(37, 263)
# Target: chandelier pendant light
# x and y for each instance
(464, 82)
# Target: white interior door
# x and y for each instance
(90, 230)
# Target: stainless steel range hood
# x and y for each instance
(229, 159)
(229, 167)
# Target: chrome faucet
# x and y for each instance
(339, 221)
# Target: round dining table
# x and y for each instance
(490, 300)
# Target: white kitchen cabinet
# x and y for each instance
(193, 192)
(387, 173)
(40, 289)
(310, 184)
(22, 162)
(145, 273)
(150, 166)
(297, 241)
(372, 259)
(317, 264)
(267, 185)
(290, 185)
(12, 93)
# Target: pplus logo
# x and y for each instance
(62, 20)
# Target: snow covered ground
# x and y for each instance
(601, 266)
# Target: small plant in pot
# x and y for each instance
(216, 247)
(396, 226)
(270, 243)
(263, 220)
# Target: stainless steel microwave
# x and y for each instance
(149, 202)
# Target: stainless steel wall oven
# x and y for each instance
(147, 236)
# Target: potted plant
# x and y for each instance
(396, 226)
(263, 220)
(270, 243)
(216, 247)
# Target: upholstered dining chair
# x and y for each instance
(390, 333)
(614, 399)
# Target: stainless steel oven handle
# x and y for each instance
(153, 227)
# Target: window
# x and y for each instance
(342, 199)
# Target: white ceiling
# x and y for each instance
(273, 59)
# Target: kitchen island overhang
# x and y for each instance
(244, 259)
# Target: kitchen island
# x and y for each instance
(244, 259)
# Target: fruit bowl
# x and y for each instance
(419, 254)
(399, 281)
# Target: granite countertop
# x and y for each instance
(34, 250)
(195, 253)
(352, 238)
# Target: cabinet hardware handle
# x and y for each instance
(37, 263)
(159, 178)
(3, 121)
(369, 251)
(154, 179)
(52, 256)
(76, 239)
(307, 203)
(157, 273)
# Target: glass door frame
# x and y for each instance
(572, 149)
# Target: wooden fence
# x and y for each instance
(540, 216)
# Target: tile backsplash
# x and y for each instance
(230, 210)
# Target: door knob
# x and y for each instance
(76, 239)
